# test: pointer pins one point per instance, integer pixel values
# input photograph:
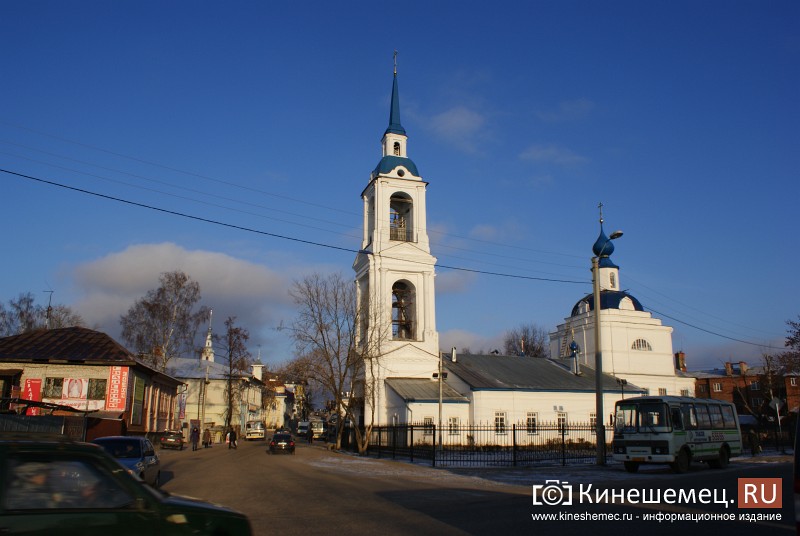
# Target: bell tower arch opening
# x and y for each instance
(404, 299)
(401, 222)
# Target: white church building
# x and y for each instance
(395, 278)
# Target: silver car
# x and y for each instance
(136, 454)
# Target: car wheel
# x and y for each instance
(631, 467)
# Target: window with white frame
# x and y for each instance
(427, 425)
(531, 423)
(641, 344)
(593, 422)
(500, 422)
(561, 419)
(755, 385)
(701, 388)
(793, 381)
(717, 387)
(452, 425)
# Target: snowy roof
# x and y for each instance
(503, 372)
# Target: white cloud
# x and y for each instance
(466, 340)
(459, 126)
(551, 153)
(454, 281)
(254, 294)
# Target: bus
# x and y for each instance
(254, 430)
(675, 430)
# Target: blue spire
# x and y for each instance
(394, 116)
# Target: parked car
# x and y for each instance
(50, 484)
(136, 454)
(281, 443)
(171, 439)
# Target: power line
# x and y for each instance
(273, 235)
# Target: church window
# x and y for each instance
(397, 148)
(400, 218)
(641, 344)
(499, 422)
(612, 280)
(403, 307)
(427, 425)
(532, 422)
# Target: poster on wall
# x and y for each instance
(75, 389)
(117, 392)
(33, 391)
(182, 406)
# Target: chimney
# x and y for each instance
(258, 371)
(680, 361)
(729, 368)
(453, 354)
(742, 368)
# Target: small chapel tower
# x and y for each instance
(395, 269)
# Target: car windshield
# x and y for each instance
(650, 417)
(122, 448)
(282, 437)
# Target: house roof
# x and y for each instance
(503, 372)
(70, 345)
(424, 390)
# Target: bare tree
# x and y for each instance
(23, 314)
(528, 340)
(333, 338)
(238, 364)
(163, 324)
(789, 360)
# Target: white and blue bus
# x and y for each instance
(675, 430)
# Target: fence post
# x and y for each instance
(433, 446)
(411, 446)
(563, 429)
(514, 445)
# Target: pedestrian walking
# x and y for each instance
(310, 434)
(206, 438)
(195, 438)
(232, 437)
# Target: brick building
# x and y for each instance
(88, 371)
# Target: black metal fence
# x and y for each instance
(487, 445)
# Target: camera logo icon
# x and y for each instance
(552, 493)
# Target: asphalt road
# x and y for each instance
(321, 492)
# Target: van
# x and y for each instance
(302, 428)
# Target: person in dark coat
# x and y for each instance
(310, 434)
(206, 438)
(232, 442)
(195, 438)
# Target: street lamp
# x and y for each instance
(600, 429)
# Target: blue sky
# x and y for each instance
(680, 117)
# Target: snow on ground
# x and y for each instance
(342, 462)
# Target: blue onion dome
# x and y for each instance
(603, 248)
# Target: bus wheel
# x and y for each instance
(681, 463)
(631, 467)
(722, 461)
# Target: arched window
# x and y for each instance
(641, 344)
(397, 148)
(612, 280)
(400, 218)
(403, 308)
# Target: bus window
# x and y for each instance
(729, 417)
(716, 417)
(677, 419)
(703, 420)
(653, 418)
(689, 416)
(626, 419)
